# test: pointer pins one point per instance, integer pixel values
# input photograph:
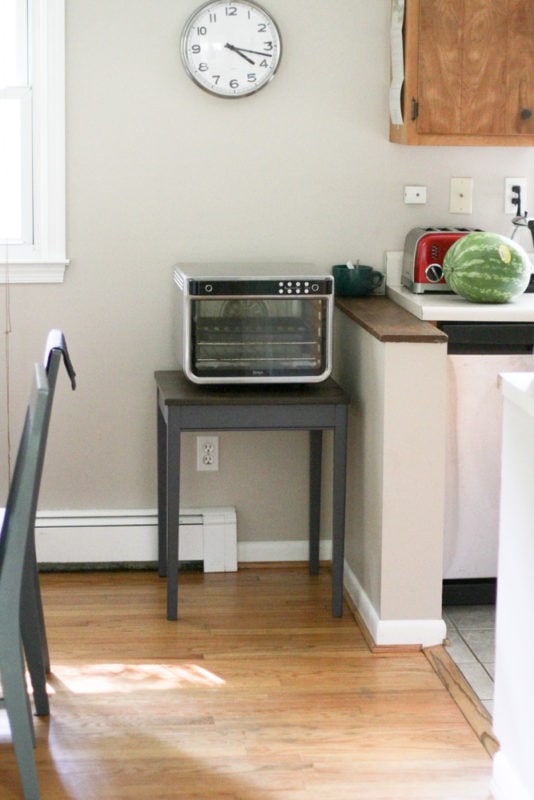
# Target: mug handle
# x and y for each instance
(377, 279)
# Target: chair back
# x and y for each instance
(55, 350)
(19, 516)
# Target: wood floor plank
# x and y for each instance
(256, 693)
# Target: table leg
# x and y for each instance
(173, 510)
(162, 494)
(338, 510)
(316, 449)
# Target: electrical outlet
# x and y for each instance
(510, 194)
(207, 453)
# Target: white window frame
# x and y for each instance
(45, 259)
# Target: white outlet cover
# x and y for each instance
(461, 196)
(414, 194)
(207, 444)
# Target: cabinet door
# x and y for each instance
(520, 67)
(471, 78)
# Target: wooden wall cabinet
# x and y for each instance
(469, 73)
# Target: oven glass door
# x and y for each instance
(258, 337)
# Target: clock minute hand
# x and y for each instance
(256, 52)
(239, 53)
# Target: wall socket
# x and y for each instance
(207, 453)
(509, 195)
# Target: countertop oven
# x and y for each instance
(254, 323)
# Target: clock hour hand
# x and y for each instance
(239, 52)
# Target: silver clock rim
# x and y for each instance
(183, 48)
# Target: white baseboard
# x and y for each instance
(208, 535)
(424, 632)
(130, 536)
(297, 550)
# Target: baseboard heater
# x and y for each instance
(93, 539)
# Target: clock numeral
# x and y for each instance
(262, 27)
(202, 30)
(215, 79)
(231, 11)
(203, 67)
(234, 84)
(264, 63)
(213, 17)
(251, 77)
(267, 45)
(196, 49)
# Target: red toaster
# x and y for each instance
(424, 252)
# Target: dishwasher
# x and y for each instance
(477, 353)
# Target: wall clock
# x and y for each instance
(231, 48)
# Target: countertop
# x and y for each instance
(442, 306)
(387, 321)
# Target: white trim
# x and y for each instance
(44, 260)
(424, 632)
(266, 552)
(506, 784)
(115, 536)
(49, 272)
(130, 535)
(49, 91)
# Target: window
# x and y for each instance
(32, 141)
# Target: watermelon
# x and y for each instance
(486, 267)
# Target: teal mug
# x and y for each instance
(355, 280)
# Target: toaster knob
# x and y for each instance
(434, 273)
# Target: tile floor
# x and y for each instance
(471, 633)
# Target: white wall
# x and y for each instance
(159, 171)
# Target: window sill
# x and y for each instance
(33, 272)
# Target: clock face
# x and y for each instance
(231, 49)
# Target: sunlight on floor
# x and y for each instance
(102, 678)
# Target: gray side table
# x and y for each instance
(185, 406)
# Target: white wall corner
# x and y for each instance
(424, 632)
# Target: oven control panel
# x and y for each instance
(300, 287)
(261, 288)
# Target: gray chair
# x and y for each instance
(33, 623)
(16, 533)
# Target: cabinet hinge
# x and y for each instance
(415, 109)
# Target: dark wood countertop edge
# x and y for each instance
(387, 321)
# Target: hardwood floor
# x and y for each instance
(256, 693)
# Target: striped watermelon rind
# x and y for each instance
(485, 267)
